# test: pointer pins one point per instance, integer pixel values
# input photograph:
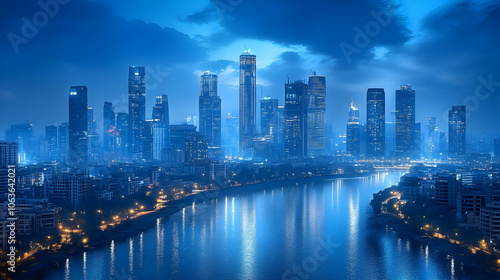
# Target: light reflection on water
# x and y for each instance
(262, 234)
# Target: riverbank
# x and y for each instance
(482, 265)
(48, 259)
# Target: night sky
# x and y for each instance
(444, 49)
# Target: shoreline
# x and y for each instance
(480, 262)
(50, 259)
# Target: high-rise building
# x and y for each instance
(375, 123)
(8, 157)
(248, 100)
(281, 127)
(353, 144)
(269, 118)
(457, 130)
(23, 135)
(63, 140)
(136, 107)
(78, 126)
(316, 115)
(109, 132)
(160, 141)
(295, 119)
(161, 110)
(390, 138)
(196, 149)
(232, 135)
(123, 130)
(432, 137)
(210, 110)
(147, 141)
(51, 139)
(178, 134)
(406, 141)
(92, 127)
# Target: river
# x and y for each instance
(313, 230)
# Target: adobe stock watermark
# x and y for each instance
(363, 38)
(310, 264)
(30, 27)
(222, 6)
(483, 91)
(154, 77)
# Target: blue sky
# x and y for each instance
(445, 49)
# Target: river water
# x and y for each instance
(314, 230)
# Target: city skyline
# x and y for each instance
(177, 75)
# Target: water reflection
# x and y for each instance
(261, 234)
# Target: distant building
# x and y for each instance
(147, 141)
(248, 100)
(210, 111)
(23, 135)
(63, 140)
(196, 150)
(432, 137)
(109, 132)
(375, 123)
(51, 139)
(316, 116)
(178, 135)
(136, 108)
(269, 118)
(457, 131)
(78, 127)
(8, 157)
(353, 137)
(295, 120)
(232, 135)
(406, 143)
(123, 130)
(161, 110)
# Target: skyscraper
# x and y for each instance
(22, 134)
(316, 115)
(269, 118)
(63, 140)
(92, 128)
(136, 107)
(160, 110)
(210, 110)
(457, 131)
(248, 99)
(51, 138)
(123, 128)
(406, 138)
(496, 147)
(78, 126)
(295, 120)
(353, 133)
(8, 156)
(232, 135)
(375, 123)
(432, 137)
(109, 127)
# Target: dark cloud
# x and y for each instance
(83, 43)
(208, 14)
(321, 26)
(459, 49)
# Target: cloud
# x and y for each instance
(319, 25)
(207, 15)
(83, 43)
